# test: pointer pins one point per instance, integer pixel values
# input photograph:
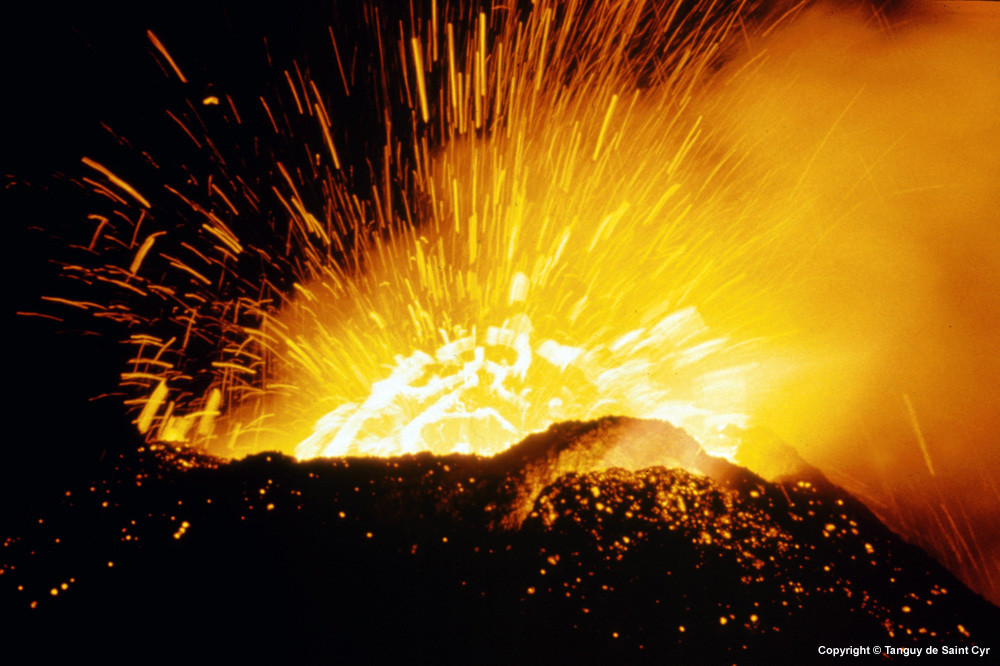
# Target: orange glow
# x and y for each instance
(757, 229)
(561, 269)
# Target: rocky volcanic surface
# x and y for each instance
(545, 553)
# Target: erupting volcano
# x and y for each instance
(506, 330)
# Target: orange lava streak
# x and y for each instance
(116, 180)
(163, 50)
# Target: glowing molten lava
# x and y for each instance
(480, 395)
(559, 264)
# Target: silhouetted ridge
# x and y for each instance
(541, 554)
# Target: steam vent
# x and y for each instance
(501, 331)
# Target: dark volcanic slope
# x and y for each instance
(533, 555)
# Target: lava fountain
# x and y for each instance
(725, 215)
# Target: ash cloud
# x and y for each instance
(879, 140)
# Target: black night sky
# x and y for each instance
(74, 70)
